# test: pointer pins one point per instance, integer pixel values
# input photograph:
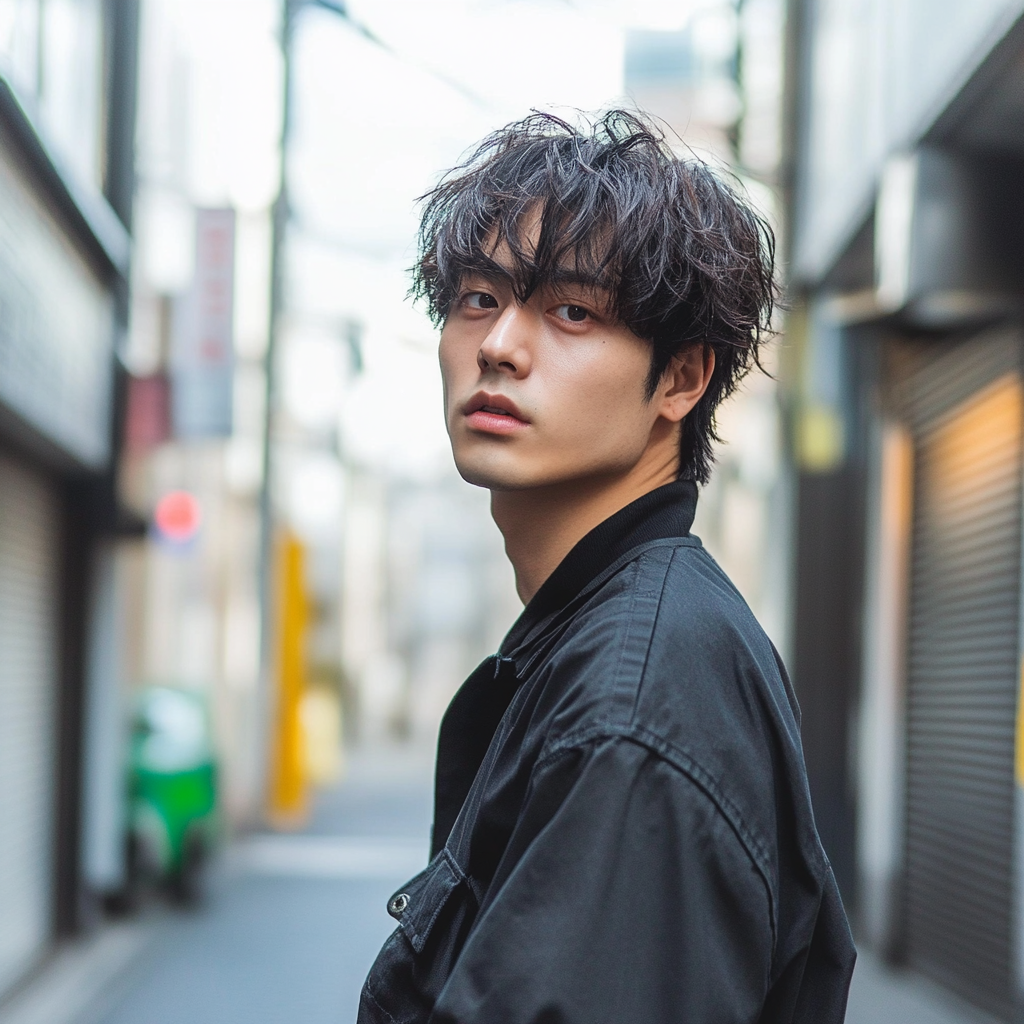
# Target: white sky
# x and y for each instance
(373, 130)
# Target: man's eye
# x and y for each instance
(480, 300)
(576, 314)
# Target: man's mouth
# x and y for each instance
(493, 414)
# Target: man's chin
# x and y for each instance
(494, 477)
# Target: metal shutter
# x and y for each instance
(28, 667)
(967, 410)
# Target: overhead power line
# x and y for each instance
(339, 8)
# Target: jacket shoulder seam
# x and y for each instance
(665, 569)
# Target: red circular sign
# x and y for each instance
(177, 516)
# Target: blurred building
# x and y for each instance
(716, 85)
(67, 94)
(904, 389)
(688, 78)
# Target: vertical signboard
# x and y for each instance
(202, 352)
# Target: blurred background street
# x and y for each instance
(292, 923)
(240, 578)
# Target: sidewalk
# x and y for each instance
(881, 996)
(79, 983)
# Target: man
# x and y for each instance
(622, 828)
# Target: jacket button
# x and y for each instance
(397, 905)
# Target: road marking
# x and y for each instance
(329, 857)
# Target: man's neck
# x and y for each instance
(541, 525)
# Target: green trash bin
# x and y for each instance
(173, 791)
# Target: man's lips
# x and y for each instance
(493, 414)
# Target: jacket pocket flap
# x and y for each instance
(416, 905)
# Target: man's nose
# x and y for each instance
(508, 345)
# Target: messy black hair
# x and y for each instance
(684, 259)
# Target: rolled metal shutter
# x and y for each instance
(967, 410)
(28, 687)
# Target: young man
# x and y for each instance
(622, 828)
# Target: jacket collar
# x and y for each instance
(660, 514)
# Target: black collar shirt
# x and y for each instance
(622, 827)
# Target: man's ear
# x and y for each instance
(684, 382)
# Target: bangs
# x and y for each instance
(593, 209)
(557, 261)
(550, 229)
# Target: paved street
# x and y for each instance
(292, 923)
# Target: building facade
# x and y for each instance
(905, 408)
(67, 73)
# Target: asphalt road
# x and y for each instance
(291, 923)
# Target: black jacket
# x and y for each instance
(622, 829)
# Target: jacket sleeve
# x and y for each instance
(625, 896)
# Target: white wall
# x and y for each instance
(878, 73)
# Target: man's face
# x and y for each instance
(545, 392)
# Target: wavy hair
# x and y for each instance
(683, 257)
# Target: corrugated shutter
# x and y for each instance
(967, 410)
(28, 667)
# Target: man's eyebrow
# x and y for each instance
(564, 277)
(555, 278)
(494, 273)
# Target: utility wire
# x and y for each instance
(340, 9)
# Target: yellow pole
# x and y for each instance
(288, 782)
